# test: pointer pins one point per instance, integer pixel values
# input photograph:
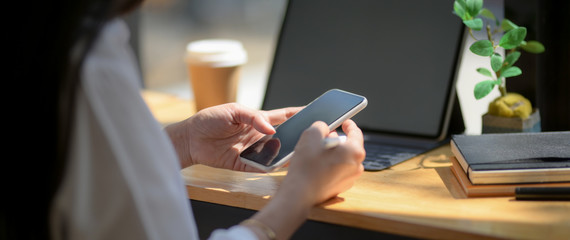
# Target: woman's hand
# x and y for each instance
(215, 136)
(315, 175)
(318, 173)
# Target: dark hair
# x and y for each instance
(47, 43)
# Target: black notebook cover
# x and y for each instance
(508, 151)
(508, 158)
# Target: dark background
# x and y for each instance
(546, 77)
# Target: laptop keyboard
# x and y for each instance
(381, 156)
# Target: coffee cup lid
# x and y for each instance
(216, 52)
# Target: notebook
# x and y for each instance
(511, 158)
(401, 55)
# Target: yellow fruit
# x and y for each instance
(511, 105)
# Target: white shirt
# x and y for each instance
(122, 179)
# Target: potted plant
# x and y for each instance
(510, 112)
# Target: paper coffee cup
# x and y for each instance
(214, 69)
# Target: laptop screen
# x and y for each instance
(401, 55)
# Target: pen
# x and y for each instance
(543, 193)
(333, 141)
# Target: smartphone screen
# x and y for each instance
(332, 107)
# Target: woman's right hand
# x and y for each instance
(317, 174)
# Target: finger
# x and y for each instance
(333, 134)
(353, 132)
(316, 132)
(355, 140)
(261, 124)
(319, 129)
(279, 116)
(252, 117)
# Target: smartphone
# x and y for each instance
(272, 151)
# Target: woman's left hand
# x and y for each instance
(216, 136)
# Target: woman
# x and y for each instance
(116, 172)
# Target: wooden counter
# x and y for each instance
(418, 198)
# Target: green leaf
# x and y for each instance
(475, 24)
(507, 25)
(512, 58)
(511, 72)
(488, 14)
(485, 72)
(513, 38)
(459, 10)
(482, 48)
(474, 6)
(496, 62)
(483, 88)
(533, 47)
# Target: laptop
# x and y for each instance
(401, 55)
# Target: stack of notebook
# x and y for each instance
(496, 164)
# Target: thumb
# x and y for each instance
(254, 118)
(316, 132)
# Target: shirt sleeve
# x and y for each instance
(234, 233)
(122, 177)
